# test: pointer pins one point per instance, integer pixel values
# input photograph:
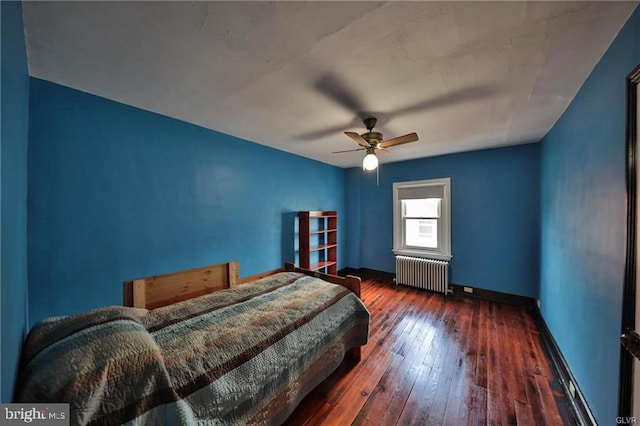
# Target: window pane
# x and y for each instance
(421, 233)
(426, 207)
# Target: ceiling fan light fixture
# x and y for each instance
(370, 162)
(372, 141)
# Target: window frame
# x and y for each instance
(443, 252)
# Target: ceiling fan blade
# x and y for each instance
(358, 139)
(317, 134)
(348, 150)
(451, 98)
(331, 86)
(411, 137)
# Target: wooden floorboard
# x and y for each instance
(436, 360)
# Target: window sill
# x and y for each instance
(424, 254)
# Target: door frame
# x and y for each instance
(625, 393)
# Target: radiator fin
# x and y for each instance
(429, 274)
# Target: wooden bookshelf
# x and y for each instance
(318, 240)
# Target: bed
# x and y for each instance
(198, 347)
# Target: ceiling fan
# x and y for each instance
(371, 142)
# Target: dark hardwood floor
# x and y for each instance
(433, 360)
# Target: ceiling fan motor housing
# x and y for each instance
(374, 138)
(370, 123)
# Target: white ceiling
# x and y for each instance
(296, 75)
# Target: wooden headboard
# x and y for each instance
(161, 290)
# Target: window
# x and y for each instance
(421, 222)
(421, 218)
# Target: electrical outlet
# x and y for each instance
(468, 289)
(538, 303)
(572, 390)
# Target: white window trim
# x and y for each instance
(442, 253)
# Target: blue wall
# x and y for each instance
(353, 217)
(583, 224)
(116, 193)
(13, 194)
(494, 216)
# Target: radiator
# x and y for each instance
(429, 274)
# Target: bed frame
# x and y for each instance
(161, 290)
